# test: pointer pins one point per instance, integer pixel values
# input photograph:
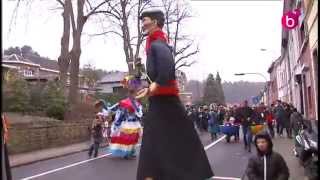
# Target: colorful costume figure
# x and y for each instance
(126, 128)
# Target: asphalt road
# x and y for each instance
(226, 159)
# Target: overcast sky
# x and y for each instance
(230, 35)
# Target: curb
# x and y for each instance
(19, 164)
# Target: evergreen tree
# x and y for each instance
(210, 94)
(221, 98)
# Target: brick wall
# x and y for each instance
(30, 136)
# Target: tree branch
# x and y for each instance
(118, 14)
(187, 56)
(182, 50)
(185, 64)
(73, 23)
(60, 2)
(89, 5)
(93, 11)
(107, 32)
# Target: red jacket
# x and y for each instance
(269, 117)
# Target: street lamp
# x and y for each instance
(260, 74)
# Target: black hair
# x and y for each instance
(155, 15)
(266, 136)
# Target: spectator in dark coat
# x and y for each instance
(97, 136)
(267, 164)
(296, 121)
(205, 119)
(221, 115)
(193, 116)
(279, 113)
(270, 121)
(286, 123)
(246, 113)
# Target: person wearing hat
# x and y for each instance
(171, 148)
(267, 164)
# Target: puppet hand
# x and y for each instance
(142, 93)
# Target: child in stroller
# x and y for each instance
(229, 128)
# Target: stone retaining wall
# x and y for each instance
(30, 136)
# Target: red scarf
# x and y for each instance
(157, 35)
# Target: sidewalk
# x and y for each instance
(45, 154)
(284, 146)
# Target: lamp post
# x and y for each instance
(256, 73)
(260, 74)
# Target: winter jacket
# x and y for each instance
(269, 117)
(287, 114)
(246, 112)
(276, 167)
(213, 120)
(279, 114)
(97, 133)
(296, 121)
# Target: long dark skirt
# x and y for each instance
(171, 148)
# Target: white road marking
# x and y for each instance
(225, 178)
(214, 143)
(68, 166)
(106, 155)
(65, 167)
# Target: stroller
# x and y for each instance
(229, 130)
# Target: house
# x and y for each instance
(311, 20)
(8, 72)
(297, 68)
(38, 69)
(181, 79)
(111, 82)
(185, 97)
(272, 89)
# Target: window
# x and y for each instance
(28, 73)
(315, 65)
(309, 97)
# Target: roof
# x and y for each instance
(115, 76)
(273, 64)
(9, 66)
(44, 62)
(16, 58)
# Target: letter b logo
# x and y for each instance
(290, 19)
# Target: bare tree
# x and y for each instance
(124, 19)
(64, 59)
(76, 18)
(176, 13)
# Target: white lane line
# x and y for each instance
(65, 167)
(225, 178)
(68, 166)
(214, 143)
(85, 161)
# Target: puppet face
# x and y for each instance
(148, 25)
(132, 84)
